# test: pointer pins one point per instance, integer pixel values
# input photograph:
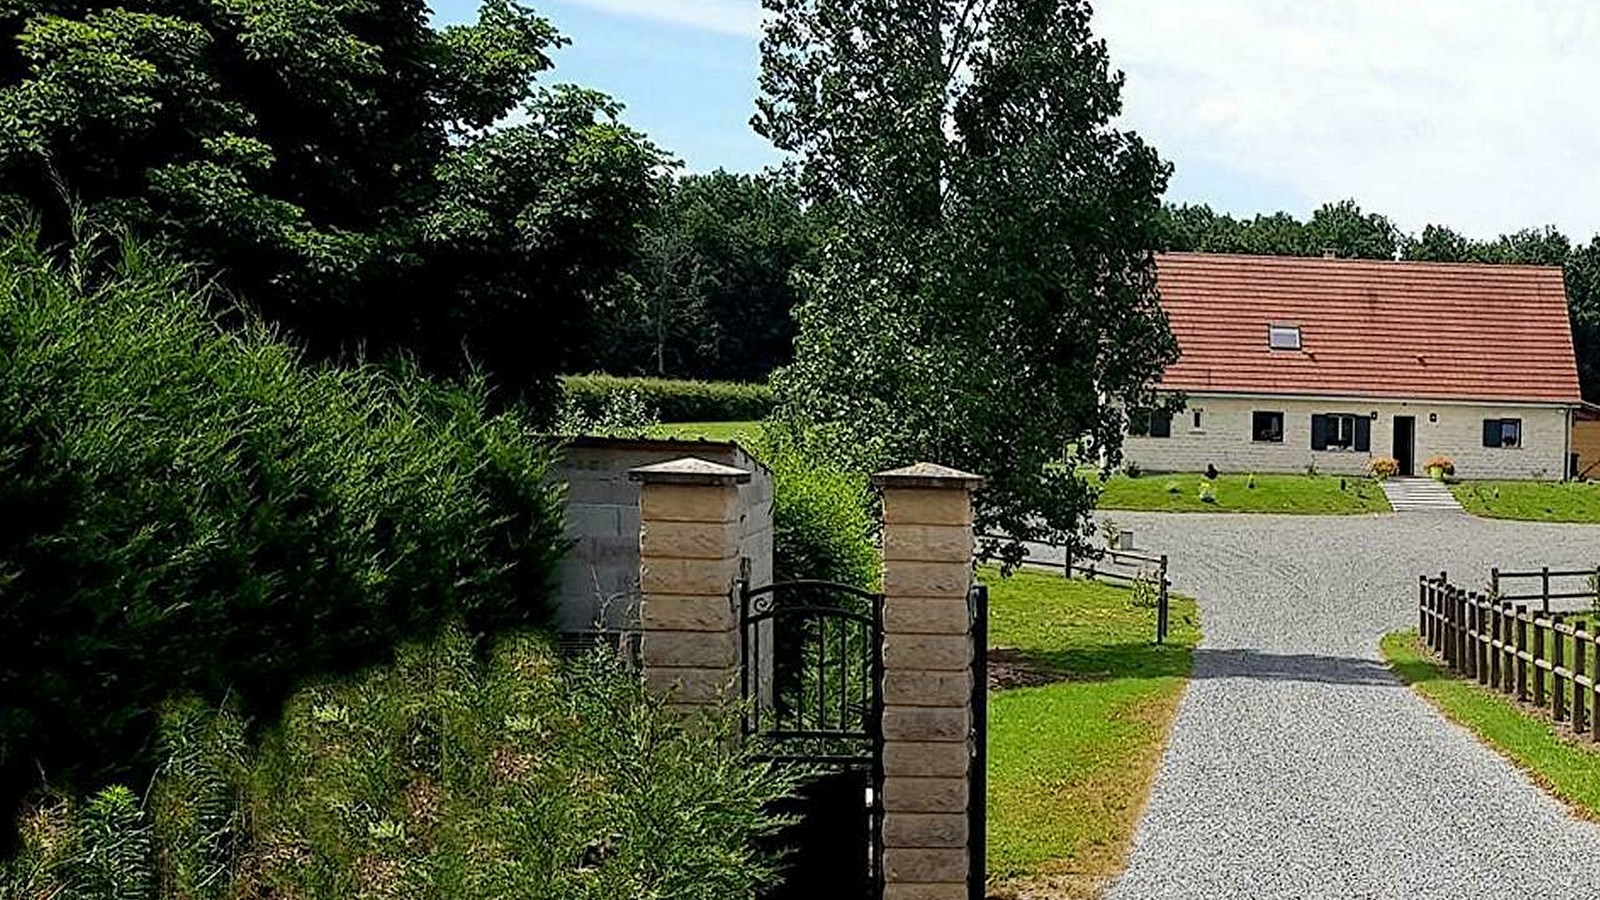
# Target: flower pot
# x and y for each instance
(1436, 473)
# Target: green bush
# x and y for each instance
(671, 400)
(823, 521)
(189, 509)
(442, 776)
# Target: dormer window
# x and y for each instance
(1283, 337)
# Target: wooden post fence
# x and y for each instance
(1535, 657)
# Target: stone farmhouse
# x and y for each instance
(1293, 362)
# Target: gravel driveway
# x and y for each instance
(1298, 766)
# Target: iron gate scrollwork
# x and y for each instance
(811, 676)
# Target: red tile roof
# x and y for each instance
(1380, 329)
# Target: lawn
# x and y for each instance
(1565, 768)
(1535, 501)
(1306, 494)
(1071, 761)
(743, 432)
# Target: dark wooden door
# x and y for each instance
(1405, 444)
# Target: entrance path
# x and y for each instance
(1298, 766)
(1419, 495)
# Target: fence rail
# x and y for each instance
(1537, 657)
(1124, 567)
(1590, 590)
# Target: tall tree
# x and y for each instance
(984, 295)
(715, 298)
(1350, 233)
(335, 161)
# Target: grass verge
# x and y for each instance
(1532, 501)
(1071, 761)
(1564, 767)
(743, 432)
(1301, 494)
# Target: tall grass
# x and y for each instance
(440, 776)
(189, 508)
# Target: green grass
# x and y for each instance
(1071, 762)
(1305, 494)
(1534, 501)
(1566, 769)
(743, 432)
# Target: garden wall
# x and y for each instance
(599, 577)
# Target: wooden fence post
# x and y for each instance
(1494, 583)
(1422, 610)
(1522, 648)
(1558, 696)
(1463, 634)
(1594, 692)
(1540, 630)
(1509, 647)
(1163, 610)
(1578, 654)
(1449, 610)
(1484, 648)
(1495, 654)
(1544, 587)
(1474, 635)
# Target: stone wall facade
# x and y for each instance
(1223, 437)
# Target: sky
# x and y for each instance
(1477, 114)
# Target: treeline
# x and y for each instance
(1349, 232)
(375, 185)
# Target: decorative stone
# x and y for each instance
(689, 470)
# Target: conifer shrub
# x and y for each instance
(191, 508)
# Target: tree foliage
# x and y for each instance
(338, 163)
(984, 292)
(713, 295)
(1341, 228)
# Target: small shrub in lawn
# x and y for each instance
(189, 509)
(672, 400)
(1208, 494)
(442, 775)
(1143, 592)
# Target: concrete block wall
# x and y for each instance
(599, 578)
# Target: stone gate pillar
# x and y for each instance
(688, 565)
(927, 687)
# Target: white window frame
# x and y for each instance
(1284, 337)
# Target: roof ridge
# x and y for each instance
(1356, 261)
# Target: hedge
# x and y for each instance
(672, 400)
(185, 508)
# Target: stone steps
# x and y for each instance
(1420, 495)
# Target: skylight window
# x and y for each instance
(1283, 337)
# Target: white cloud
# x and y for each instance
(735, 17)
(1479, 114)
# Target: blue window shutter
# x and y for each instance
(1363, 434)
(1319, 432)
(1491, 432)
(1161, 424)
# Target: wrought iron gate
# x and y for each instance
(812, 676)
(978, 796)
